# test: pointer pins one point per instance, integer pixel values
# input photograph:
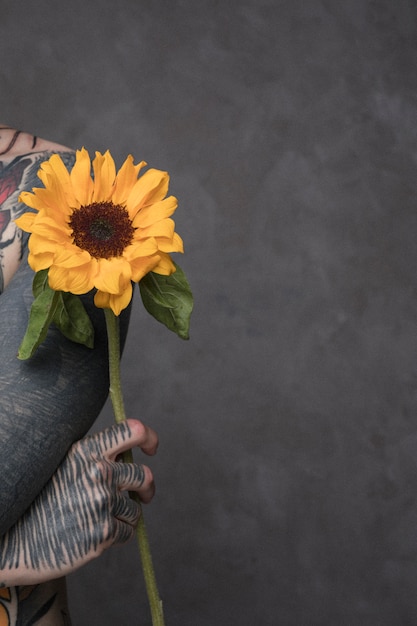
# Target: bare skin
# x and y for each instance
(63, 500)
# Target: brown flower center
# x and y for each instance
(103, 229)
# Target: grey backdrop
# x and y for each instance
(287, 471)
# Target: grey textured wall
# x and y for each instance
(287, 472)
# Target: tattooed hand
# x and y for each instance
(82, 510)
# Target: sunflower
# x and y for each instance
(103, 231)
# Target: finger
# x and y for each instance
(143, 436)
(121, 532)
(147, 491)
(109, 443)
(126, 510)
(127, 476)
(132, 477)
(130, 434)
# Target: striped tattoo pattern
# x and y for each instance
(80, 511)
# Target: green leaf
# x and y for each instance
(63, 309)
(169, 300)
(41, 314)
(40, 282)
(72, 319)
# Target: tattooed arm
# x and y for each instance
(82, 510)
(51, 400)
(61, 502)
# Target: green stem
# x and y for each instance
(113, 336)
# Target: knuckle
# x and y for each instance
(98, 470)
(124, 533)
(109, 531)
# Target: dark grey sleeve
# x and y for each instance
(47, 402)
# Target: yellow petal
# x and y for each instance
(121, 301)
(104, 176)
(143, 265)
(116, 302)
(29, 199)
(125, 180)
(40, 261)
(54, 200)
(149, 188)
(45, 173)
(147, 247)
(155, 212)
(165, 265)
(76, 280)
(38, 244)
(72, 256)
(80, 176)
(57, 175)
(162, 228)
(25, 221)
(170, 245)
(102, 300)
(59, 169)
(51, 229)
(113, 275)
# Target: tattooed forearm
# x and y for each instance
(81, 511)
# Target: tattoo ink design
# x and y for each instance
(13, 140)
(8, 606)
(11, 177)
(82, 510)
(18, 175)
(28, 605)
(17, 134)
